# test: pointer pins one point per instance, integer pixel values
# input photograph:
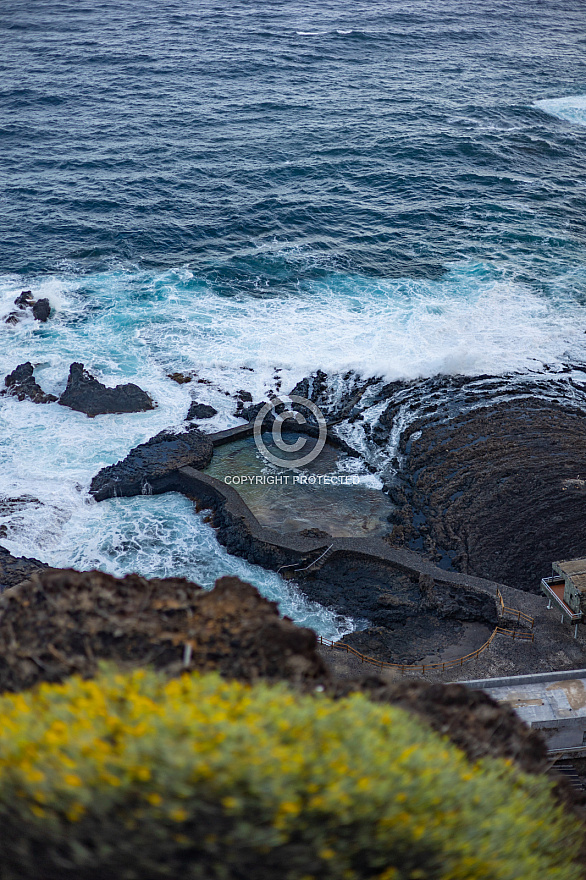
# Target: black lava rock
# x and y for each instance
(180, 378)
(24, 299)
(21, 384)
(200, 411)
(149, 467)
(250, 412)
(41, 310)
(497, 488)
(85, 394)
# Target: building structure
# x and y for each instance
(566, 590)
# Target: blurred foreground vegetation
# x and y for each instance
(137, 776)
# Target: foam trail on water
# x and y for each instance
(572, 108)
(468, 322)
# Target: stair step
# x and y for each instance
(317, 563)
(568, 771)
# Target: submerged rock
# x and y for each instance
(148, 466)
(180, 378)
(250, 412)
(200, 411)
(86, 394)
(21, 384)
(242, 397)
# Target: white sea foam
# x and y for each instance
(571, 108)
(157, 536)
(131, 326)
(465, 323)
(137, 326)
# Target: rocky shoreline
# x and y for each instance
(485, 479)
(411, 607)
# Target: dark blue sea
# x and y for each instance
(248, 191)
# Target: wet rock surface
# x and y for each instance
(22, 384)
(63, 622)
(41, 308)
(249, 412)
(200, 411)
(487, 473)
(147, 466)
(86, 394)
(180, 378)
(500, 490)
(14, 569)
(409, 609)
(245, 409)
(24, 299)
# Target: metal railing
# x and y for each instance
(551, 594)
(294, 565)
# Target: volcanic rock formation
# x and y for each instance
(200, 411)
(147, 466)
(41, 310)
(85, 394)
(41, 307)
(500, 489)
(14, 569)
(22, 385)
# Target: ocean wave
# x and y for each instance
(571, 108)
(130, 325)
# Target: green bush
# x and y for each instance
(134, 776)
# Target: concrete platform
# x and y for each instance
(554, 703)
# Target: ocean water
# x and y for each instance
(255, 191)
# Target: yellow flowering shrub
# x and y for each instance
(135, 776)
